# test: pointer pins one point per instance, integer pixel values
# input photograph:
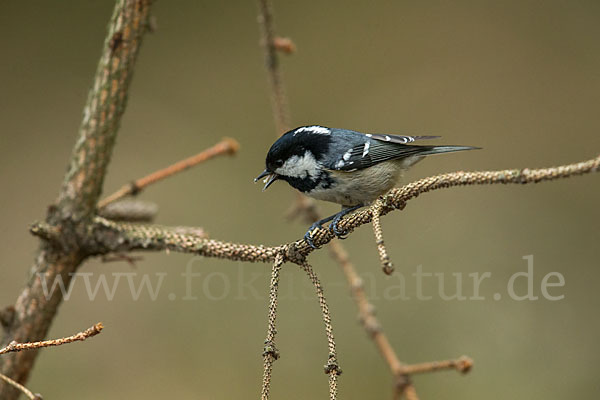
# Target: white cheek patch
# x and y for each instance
(300, 167)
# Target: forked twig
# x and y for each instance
(225, 146)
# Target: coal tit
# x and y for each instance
(343, 166)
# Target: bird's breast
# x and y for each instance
(358, 187)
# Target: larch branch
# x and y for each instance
(109, 236)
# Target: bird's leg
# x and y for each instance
(338, 217)
(318, 224)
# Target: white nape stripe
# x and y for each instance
(313, 129)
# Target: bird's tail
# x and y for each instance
(428, 150)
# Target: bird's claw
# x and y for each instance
(333, 227)
(308, 235)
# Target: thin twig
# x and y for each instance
(81, 336)
(462, 365)
(278, 99)
(226, 146)
(270, 352)
(386, 264)
(331, 367)
(21, 388)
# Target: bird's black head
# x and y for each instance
(295, 155)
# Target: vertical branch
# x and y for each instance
(281, 111)
(103, 110)
(34, 311)
(331, 368)
(270, 352)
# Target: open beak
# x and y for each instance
(270, 178)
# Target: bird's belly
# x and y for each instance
(359, 187)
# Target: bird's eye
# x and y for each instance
(279, 163)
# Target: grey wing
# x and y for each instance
(378, 148)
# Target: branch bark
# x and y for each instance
(81, 188)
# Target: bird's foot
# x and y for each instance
(333, 227)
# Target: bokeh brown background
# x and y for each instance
(518, 78)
